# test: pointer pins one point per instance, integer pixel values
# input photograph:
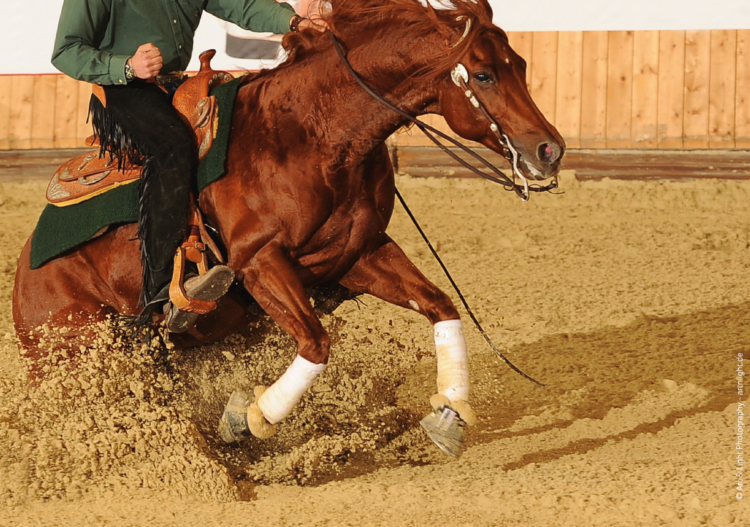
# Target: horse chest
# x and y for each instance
(342, 238)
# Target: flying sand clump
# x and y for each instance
(101, 425)
(133, 416)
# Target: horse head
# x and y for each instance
(447, 57)
(485, 99)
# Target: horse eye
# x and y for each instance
(483, 76)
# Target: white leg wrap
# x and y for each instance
(278, 400)
(452, 361)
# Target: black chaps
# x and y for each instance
(140, 124)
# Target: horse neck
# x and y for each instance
(389, 75)
(354, 120)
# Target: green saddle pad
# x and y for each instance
(63, 228)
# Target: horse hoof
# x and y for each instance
(233, 424)
(210, 286)
(446, 429)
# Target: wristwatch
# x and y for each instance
(294, 23)
(129, 71)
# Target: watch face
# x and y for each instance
(129, 72)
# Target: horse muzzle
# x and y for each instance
(542, 164)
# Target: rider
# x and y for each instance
(123, 46)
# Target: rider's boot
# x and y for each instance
(208, 287)
(192, 296)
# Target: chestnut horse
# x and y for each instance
(309, 189)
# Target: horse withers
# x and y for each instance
(309, 191)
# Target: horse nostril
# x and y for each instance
(548, 153)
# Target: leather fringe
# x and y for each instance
(112, 138)
(143, 211)
(125, 149)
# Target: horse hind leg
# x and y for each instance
(272, 281)
(56, 308)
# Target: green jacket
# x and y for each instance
(96, 37)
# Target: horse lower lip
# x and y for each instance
(532, 172)
(538, 176)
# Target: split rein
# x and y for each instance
(501, 178)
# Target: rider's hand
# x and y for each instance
(147, 61)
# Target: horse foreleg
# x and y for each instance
(386, 273)
(274, 284)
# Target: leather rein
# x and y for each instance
(460, 77)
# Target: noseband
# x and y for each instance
(460, 77)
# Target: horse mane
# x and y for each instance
(401, 19)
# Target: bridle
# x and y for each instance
(460, 77)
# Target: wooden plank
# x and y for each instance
(588, 164)
(83, 129)
(742, 97)
(722, 89)
(645, 89)
(544, 72)
(6, 82)
(594, 89)
(697, 75)
(66, 112)
(730, 162)
(569, 79)
(688, 89)
(522, 43)
(595, 164)
(670, 116)
(619, 89)
(20, 165)
(43, 112)
(21, 109)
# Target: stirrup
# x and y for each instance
(202, 291)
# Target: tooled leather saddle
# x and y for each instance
(89, 174)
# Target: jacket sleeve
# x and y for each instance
(75, 53)
(255, 15)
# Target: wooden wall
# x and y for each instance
(43, 111)
(619, 89)
(642, 89)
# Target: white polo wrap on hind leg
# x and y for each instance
(278, 400)
(452, 361)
